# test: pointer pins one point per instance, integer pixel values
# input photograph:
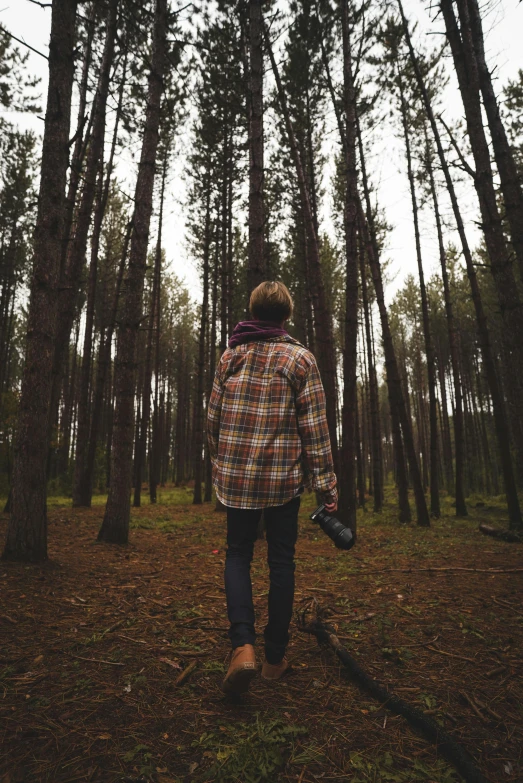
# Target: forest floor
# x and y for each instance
(92, 643)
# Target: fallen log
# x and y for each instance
(447, 746)
(511, 536)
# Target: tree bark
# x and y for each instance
(103, 370)
(350, 212)
(509, 299)
(115, 526)
(326, 356)
(198, 403)
(144, 418)
(70, 284)
(27, 529)
(82, 490)
(256, 268)
(82, 133)
(398, 407)
(461, 506)
(498, 404)
(375, 434)
(472, 34)
(429, 347)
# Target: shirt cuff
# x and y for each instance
(331, 496)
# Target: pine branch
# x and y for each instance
(19, 40)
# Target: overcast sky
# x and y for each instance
(503, 27)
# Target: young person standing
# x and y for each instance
(268, 441)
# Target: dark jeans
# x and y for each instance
(282, 531)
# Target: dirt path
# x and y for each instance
(92, 643)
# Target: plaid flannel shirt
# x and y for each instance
(267, 426)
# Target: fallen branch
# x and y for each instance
(489, 710)
(446, 568)
(186, 672)
(502, 535)
(451, 655)
(497, 670)
(445, 743)
(191, 653)
(470, 701)
(506, 605)
(96, 660)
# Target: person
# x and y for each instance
(268, 441)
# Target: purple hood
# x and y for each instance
(251, 331)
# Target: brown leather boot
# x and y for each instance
(242, 669)
(274, 671)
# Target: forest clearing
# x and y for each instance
(250, 249)
(94, 641)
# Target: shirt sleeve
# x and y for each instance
(213, 415)
(314, 434)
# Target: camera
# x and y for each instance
(342, 536)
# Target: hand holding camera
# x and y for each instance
(341, 535)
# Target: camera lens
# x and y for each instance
(341, 536)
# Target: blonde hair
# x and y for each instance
(271, 301)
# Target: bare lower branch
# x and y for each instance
(19, 40)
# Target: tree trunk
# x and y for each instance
(397, 402)
(472, 34)
(324, 337)
(510, 302)
(69, 398)
(198, 403)
(144, 419)
(70, 283)
(429, 347)
(375, 434)
(103, 370)
(82, 489)
(157, 432)
(350, 212)
(82, 133)
(212, 370)
(498, 405)
(115, 526)
(256, 268)
(461, 506)
(27, 529)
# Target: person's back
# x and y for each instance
(271, 405)
(268, 440)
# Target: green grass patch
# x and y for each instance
(248, 752)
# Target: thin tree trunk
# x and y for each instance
(212, 370)
(69, 289)
(82, 134)
(144, 419)
(198, 404)
(350, 213)
(66, 424)
(429, 347)
(510, 180)
(498, 405)
(461, 506)
(373, 393)
(103, 370)
(82, 490)
(360, 480)
(256, 268)
(224, 245)
(397, 402)
(324, 337)
(27, 529)
(509, 299)
(115, 527)
(157, 433)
